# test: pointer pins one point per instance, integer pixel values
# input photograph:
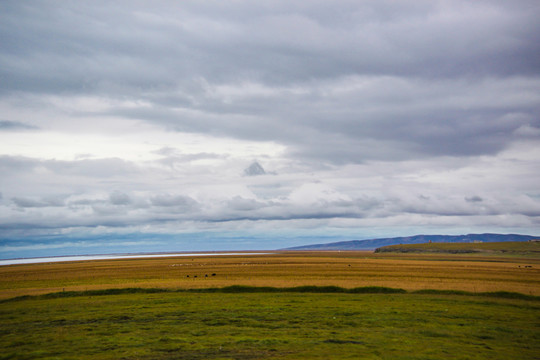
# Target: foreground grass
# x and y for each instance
(258, 323)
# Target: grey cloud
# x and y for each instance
(254, 169)
(107, 167)
(474, 199)
(121, 210)
(22, 202)
(105, 210)
(80, 203)
(397, 59)
(168, 200)
(174, 209)
(6, 125)
(407, 109)
(242, 209)
(119, 198)
(34, 203)
(448, 206)
(172, 157)
(138, 45)
(92, 167)
(371, 118)
(242, 204)
(9, 164)
(166, 151)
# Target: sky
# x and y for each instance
(132, 126)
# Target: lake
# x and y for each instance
(111, 257)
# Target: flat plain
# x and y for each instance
(246, 307)
(348, 269)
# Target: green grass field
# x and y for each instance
(279, 325)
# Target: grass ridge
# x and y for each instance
(238, 289)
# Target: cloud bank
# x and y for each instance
(376, 118)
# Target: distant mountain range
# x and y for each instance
(372, 244)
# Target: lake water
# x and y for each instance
(110, 257)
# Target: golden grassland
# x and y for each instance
(348, 269)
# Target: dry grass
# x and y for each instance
(282, 269)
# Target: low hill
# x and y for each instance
(371, 244)
(507, 247)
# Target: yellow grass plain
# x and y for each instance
(346, 269)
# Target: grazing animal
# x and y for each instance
(214, 274)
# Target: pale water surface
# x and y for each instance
(109, 257)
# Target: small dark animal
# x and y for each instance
(187, 275)
(214, 274)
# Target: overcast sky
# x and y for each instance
(211, 125)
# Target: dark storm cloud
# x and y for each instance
(340, 76)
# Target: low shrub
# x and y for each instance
(376, 290)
